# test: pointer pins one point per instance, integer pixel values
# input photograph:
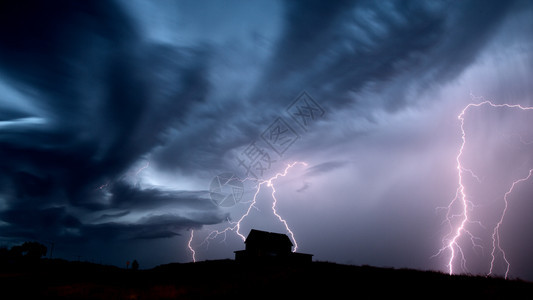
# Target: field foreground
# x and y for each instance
(57, 279)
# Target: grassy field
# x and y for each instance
(57, 279)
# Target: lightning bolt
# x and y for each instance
(190, 247)
(103, 186)
(142, 168)
(236, 226)
(451, 240)
(496, 233)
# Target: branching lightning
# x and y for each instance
(496, 247)
(236, 226)
(451, 241)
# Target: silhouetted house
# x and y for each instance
(263, 246)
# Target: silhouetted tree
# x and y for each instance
(15, 254)
(4, 255)
(135, 265)
(27, 253)
(33, 250)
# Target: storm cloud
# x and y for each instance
(116, 115)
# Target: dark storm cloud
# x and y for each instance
(55, 217)
(125, 196)
(325, 167)
(108, 97)
(336, 51)
(102, 91)
(332, 49)
(113, 215)
(59, 224)
(152, 227)
(56, 224)
(103, 98)
(91, 95)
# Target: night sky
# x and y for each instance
(116, 116)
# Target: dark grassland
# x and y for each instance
(59, 279)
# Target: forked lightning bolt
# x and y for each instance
(451, 242)
(236, 226)
(496, 247)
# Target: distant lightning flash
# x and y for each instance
(236, 226)
(136, 173)
(103, 186)
(143, 167)
(451, 241)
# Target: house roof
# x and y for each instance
(259, 236)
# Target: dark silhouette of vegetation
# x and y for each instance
(135, 265)
(60, 279)
(33, 250)
(25, 254)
